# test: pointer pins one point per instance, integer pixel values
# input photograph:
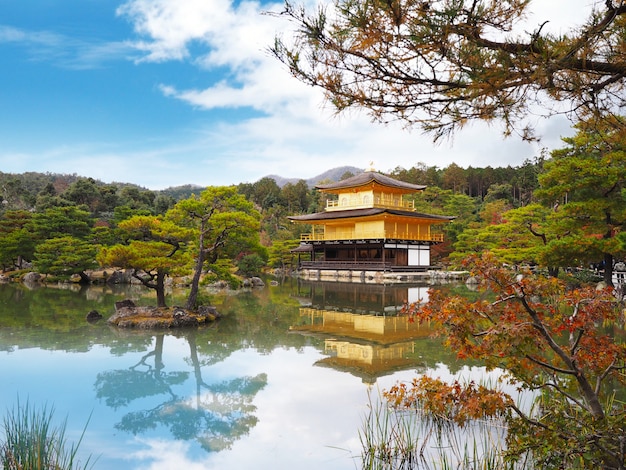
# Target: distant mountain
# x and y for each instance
(30, 184)
(333, 174)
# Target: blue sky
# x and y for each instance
(169, 92)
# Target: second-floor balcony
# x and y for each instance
(345, 235)
(357, 201)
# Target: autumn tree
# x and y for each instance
(154, 248)
(547, 340)
(221, 219)
(440, 64)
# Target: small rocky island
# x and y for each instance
(129, 315)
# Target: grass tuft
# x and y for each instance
(32, 442)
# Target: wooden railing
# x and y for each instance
(346, 264)
(374, 235)
(355, 202)
(340, 265)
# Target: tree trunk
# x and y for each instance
(84, 279)
(195, 282)
(553, 271)
(608, 269)
(160, 289)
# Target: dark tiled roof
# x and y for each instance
(330, 215)
(367, 177)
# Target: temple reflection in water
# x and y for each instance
(365, 333)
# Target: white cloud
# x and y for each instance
(171, 26)
(561, 16)
(296, 127)
(10, 34)
(30, 38)
(294, 133)
(236, 39)
(65, 51)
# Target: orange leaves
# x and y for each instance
(567, 345)
(529, 324)
(457, 402)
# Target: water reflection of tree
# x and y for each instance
(52, 317)
(215, 415)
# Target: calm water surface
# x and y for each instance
(280, 382)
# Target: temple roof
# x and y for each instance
(368, 177)
(350, 213)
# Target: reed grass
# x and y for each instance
(32, 442)
(394, 439)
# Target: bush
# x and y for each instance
(250, 265)
(222, 270)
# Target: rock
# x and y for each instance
(209, 311)
(220, 284)
(131, 316)
(124, 304)
(119, 277)
(257, 282)
(93, 316)
(31, 277)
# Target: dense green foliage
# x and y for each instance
(556, 211)
(224, 224)
(153, 248)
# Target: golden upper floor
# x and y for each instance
(368, 200)
(371, 206)
(369, 190)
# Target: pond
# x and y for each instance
(282, 381)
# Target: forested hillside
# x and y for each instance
(510, 211)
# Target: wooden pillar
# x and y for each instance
(384, 250)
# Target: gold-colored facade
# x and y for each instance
(370, 222)
(385, 227)
(363, 198)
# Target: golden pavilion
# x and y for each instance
(369, 224)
